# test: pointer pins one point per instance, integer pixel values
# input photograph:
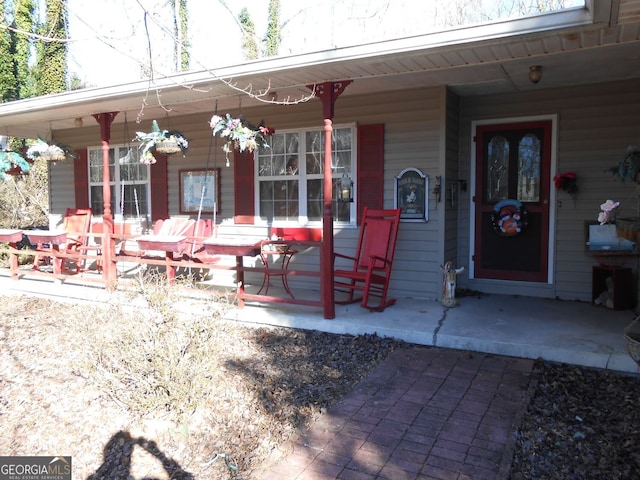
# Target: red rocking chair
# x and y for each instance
(76, 225)
(370, 272)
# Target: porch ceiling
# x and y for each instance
(594, 53)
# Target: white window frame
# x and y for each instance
(119, 150)
(302, 177)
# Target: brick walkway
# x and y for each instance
(424, 413)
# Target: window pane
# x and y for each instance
(95, 166)
(315, 199)
(282, 143)
(497, 187)
(340, 155)
(279, 200)
(266, 200)
(342, 162)
(281, 158)
(129, 182)
(130, 167)
(282, 168)
(341, 211)
(342, 139)
(134, 201)
(529, 169)
(315, 152)
(97, 199)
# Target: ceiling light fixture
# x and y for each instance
(535, 73)
(78, 122)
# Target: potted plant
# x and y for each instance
(13, 163)
(53, 152)
(166, 142)
(240, 134)
(628, 169)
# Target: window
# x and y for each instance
(290, 175)
(129, 182)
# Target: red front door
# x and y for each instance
(512, 201)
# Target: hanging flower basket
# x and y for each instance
(13, 163)
(53, 157)
(168, 147)
(240, 134)
(51, 152)
(165, 142)
(628, 228)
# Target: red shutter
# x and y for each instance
(81, 179)
(243, 178)
(159, 188)
(370, 167)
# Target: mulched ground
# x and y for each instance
(581, 424)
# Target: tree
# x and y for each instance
(249, 45)
(51, 66)
(272, 37)
(181, 44)
(24, 22)
(14, 50)
(8, 90)
(273, 29)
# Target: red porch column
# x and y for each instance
(328, 92)
(109, 246)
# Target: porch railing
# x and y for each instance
(91, 271)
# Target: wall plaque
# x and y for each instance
(411, 195)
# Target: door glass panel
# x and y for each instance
(529, 168)
(497, 181)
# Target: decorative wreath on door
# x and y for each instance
(509, 218)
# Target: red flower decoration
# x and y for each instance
(266, 130)
(566, 181)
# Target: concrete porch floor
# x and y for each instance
(577, 333)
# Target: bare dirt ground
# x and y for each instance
(140, 389)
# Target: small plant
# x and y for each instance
(158, 363)
(166, 142)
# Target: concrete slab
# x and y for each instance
(577, 333)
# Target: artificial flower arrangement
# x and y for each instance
(53, 152)
(627, 228)
(566, 182)
(240, 134)
(11, 161)
(607, 214)
(166, 142)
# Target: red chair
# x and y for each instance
(370, 270)
(196, 252)
(76, 225)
